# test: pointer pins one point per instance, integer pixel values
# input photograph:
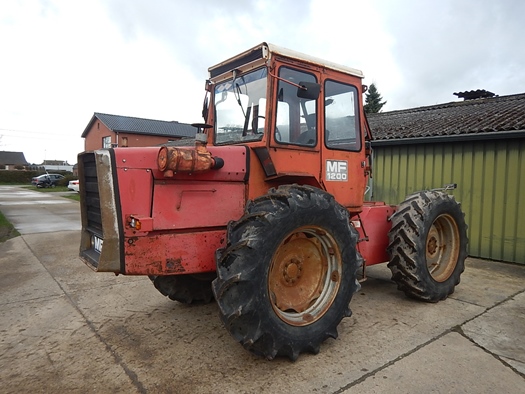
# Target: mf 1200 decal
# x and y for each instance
(336, 170)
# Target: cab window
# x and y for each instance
(296, 120)
(240, 107)
(341, 117)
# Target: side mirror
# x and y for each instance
(308, 90)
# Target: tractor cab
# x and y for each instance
(301, 117)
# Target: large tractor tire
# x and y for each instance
(188, 289)
(428, 245)
(288, 273)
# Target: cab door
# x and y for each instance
(343, 165)
(295, 143)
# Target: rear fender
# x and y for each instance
(373, 225)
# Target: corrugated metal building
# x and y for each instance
(479, 144)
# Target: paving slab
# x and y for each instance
(45, 343)
(58, 253)
(501, 331)
(46, 346)
(23, 277)
(488, 283)
(484, 283)
(450, 364)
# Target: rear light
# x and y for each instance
(135, 223)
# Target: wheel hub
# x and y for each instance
(432, 246)
(292, 271)
(304, 276)
(442, 247)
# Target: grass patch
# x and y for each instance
(49, 189)
(73, 196)
(7, 231)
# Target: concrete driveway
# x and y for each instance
(38, 212)
(67, 329)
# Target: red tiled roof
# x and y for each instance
(486, 115)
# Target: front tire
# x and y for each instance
(428, 245)
(288, 272)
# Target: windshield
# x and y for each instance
(240, 107)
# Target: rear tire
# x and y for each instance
(188, 289)
(288, 272)
(428, 245)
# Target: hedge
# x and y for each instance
(67, 177)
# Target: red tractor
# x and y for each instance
(266, 212)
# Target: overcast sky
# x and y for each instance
(63, 60)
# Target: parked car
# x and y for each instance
(73, 185)
(46, 180)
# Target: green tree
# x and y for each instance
(373, 100)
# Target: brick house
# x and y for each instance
(106, 131)
(9, 160)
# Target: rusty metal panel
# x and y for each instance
(181, 205)
(173, 253)
(491, 187)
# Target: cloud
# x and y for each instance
(64, 60)
(199, 31)
(451, 46)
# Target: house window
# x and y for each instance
(124, 142)
(106, 142)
